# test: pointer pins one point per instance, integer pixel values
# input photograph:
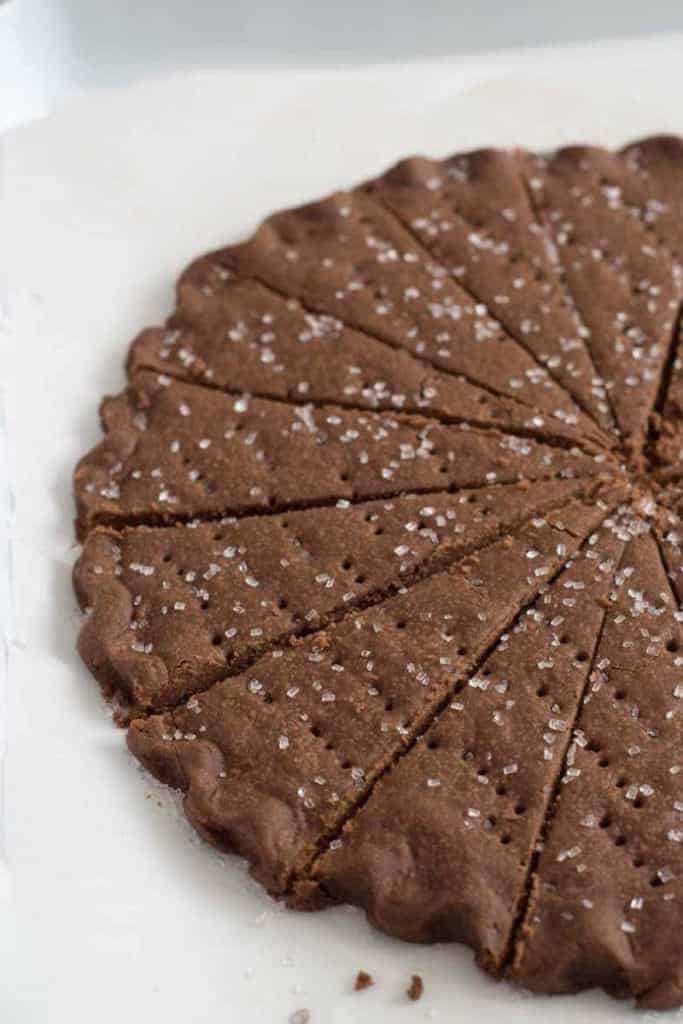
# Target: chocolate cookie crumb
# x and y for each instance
(363, 980)
(416, 988)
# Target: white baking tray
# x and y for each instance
(114, 912)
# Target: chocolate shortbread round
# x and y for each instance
(382, 558)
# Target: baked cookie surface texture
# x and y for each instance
(383, 558)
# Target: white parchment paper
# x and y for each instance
(114, 912)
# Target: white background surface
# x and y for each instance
(52, 48)
(114, 914)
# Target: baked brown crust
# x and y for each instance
(473, 212)
(173, 609)
(612, 851)
(415, 305)
(383, 558)
(463, 808)
(174, 451)
(342, 692)
(240, 336)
